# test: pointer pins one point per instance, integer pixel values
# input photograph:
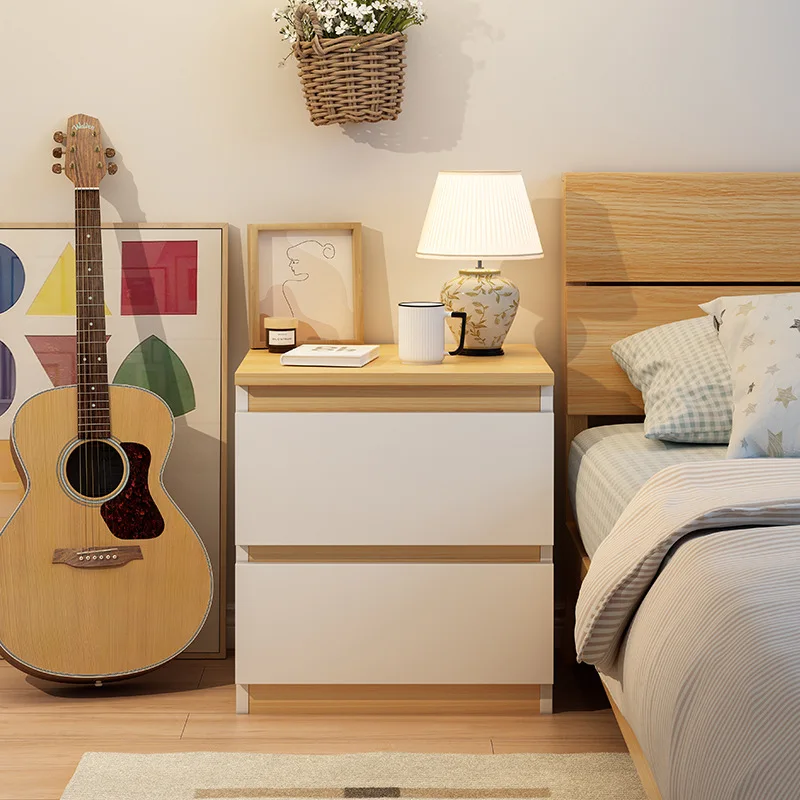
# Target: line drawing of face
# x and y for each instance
(294, 255)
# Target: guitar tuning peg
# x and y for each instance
(112, 169)
(110, 152)
(57, 168)
(57, 152)
(60, 137)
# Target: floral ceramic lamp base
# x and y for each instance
(490, 303)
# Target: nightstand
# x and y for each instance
(394, 534)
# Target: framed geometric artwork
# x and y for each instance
(166, 328)
(308, 272)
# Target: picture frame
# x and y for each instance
(311, 272)
(166, 293)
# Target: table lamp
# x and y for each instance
(480, 216)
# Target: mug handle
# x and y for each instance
(463, 317)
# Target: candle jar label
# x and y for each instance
(281, 338)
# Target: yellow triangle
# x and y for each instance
(57, 295)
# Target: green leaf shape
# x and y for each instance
(154, 365)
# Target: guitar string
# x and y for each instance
(85, 363)
(93, 442)
(78, 373)
(91, 337)
(103, 408)
(89, 445)
(91, 429)
(83, 455)
(93, 406)
(104, 405)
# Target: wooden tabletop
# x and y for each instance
(522, 365)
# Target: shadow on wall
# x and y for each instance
(432, 120)
(123, 195)
(121, 191)
(378, 311)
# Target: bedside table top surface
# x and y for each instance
(522, 365)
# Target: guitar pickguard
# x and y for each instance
(133, 514)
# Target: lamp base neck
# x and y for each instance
(478, 271)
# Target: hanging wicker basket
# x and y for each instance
(350, 78)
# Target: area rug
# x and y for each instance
(365, 776)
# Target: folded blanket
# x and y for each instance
(675, 503)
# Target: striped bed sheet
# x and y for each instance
(690, 613)
(609, 464)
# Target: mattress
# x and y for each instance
(607, 467)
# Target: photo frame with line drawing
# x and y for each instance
(166, 327)
(311, 272)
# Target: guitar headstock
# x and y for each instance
(85, 159)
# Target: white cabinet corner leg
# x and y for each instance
(242, 699)
(546, 698)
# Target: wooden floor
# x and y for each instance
(188, 706)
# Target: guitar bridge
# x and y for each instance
(97, 557)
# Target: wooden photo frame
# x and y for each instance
(166, 293)
(311, 272)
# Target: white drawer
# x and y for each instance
(394, 623)
(394, 479)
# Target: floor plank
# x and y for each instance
(68, 752)
(218, 699)
(25, 783)
(82, 726)
(254, 727)
(188, 706)
(572, 732)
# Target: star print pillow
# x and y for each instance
(761, 337)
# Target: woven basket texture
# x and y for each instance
(350, 78)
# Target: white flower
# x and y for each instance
(353, 17)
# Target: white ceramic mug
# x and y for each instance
(421, 332)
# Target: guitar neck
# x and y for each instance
(94, 419)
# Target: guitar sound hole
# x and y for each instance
(95, 469)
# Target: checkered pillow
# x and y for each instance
(684, 376)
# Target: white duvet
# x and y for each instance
(691, 610)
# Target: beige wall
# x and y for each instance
(208, 128)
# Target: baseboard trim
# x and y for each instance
(396, 554)
(517, 700)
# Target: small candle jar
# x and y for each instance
(280, 334)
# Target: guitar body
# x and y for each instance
(101, 575)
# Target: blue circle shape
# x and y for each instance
(8, 379)
(12, 277)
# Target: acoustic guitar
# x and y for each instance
(101, 575)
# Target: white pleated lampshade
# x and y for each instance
(479, 216)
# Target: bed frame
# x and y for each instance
(641, 250)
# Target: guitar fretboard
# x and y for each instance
(94, 419)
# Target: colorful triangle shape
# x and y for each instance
(153, 365)
(56, 298)
(58, 356)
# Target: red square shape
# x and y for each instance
(159, 278)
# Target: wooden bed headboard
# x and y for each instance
(641, 250)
